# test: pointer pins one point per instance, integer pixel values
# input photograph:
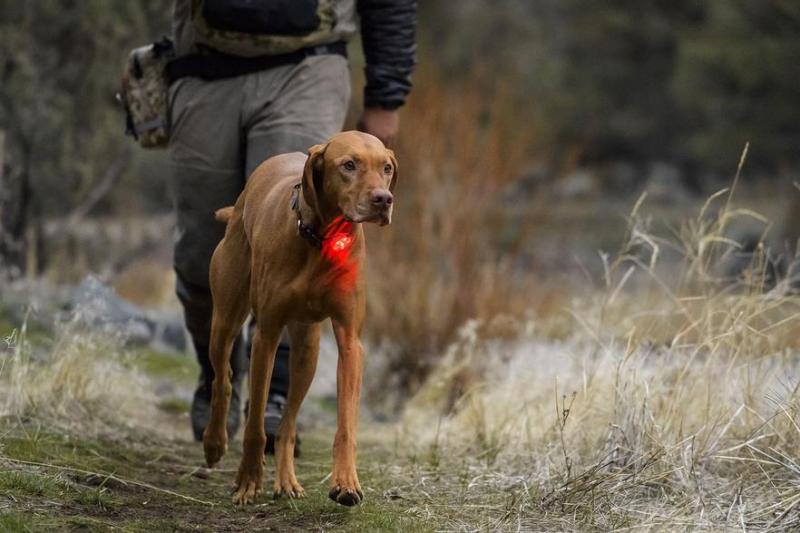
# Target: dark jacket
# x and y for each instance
(388, 32)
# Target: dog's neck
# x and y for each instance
(314, 227)
(308, 214)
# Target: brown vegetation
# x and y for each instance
(452, 253)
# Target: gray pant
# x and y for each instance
(220, 132)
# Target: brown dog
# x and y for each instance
(291, 255)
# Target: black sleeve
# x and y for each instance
(388, 32)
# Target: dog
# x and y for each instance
(291, 256)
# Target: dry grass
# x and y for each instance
(446, 258)
(667, 399)
(673, 405)
(147, 283)
(78, 381)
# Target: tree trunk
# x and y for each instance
(15, 202)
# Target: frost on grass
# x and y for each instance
(79, 380)
(673, 402)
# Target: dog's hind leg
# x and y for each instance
(303, 365)
(262, 358)
(230, 285)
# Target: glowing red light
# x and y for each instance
(336, 248)
(337, 243)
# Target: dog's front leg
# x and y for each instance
(345, 488)
(251, 468)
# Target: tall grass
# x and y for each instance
(78, 380)
(674, 403)
(451, 251)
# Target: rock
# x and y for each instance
(621, 176)
(169, 333)
(665, 184)
(579, 183)
(98, 306)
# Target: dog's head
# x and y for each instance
(354, 175)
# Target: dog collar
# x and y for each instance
(305, 231)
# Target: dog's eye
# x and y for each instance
(349, 166)
(387, 168)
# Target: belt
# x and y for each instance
(216, 65)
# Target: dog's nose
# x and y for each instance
(381, 198)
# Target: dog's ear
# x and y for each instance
(312, 177)
(395, 174)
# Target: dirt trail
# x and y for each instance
(52, 481)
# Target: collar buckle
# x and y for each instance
(306, 232)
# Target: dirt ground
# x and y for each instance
(51, 481)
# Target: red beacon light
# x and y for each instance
(341, 242)
(337, 242)
(336, 247)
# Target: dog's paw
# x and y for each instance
(345, 488)
(248, 487)
(289, 487)
(214, 447)
(246, 493)
(346, 496)
(286, 483)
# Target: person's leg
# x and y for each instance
(290, 109)
(207, 174)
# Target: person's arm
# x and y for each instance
(388, 33)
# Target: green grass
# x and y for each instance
(21, 482)
(17, 521)
(174, 405)
(6, 323)
(178, 368)
(145, 485)
(32, 444)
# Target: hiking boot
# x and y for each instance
(201, 409)
(276, 402)
(272, 419)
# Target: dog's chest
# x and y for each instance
(314, 307)
(308, 302)
(314, 300)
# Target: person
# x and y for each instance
(251, 80)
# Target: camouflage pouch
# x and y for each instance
(145, 94)
(268, 27)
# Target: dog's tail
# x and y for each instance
(224, 214)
